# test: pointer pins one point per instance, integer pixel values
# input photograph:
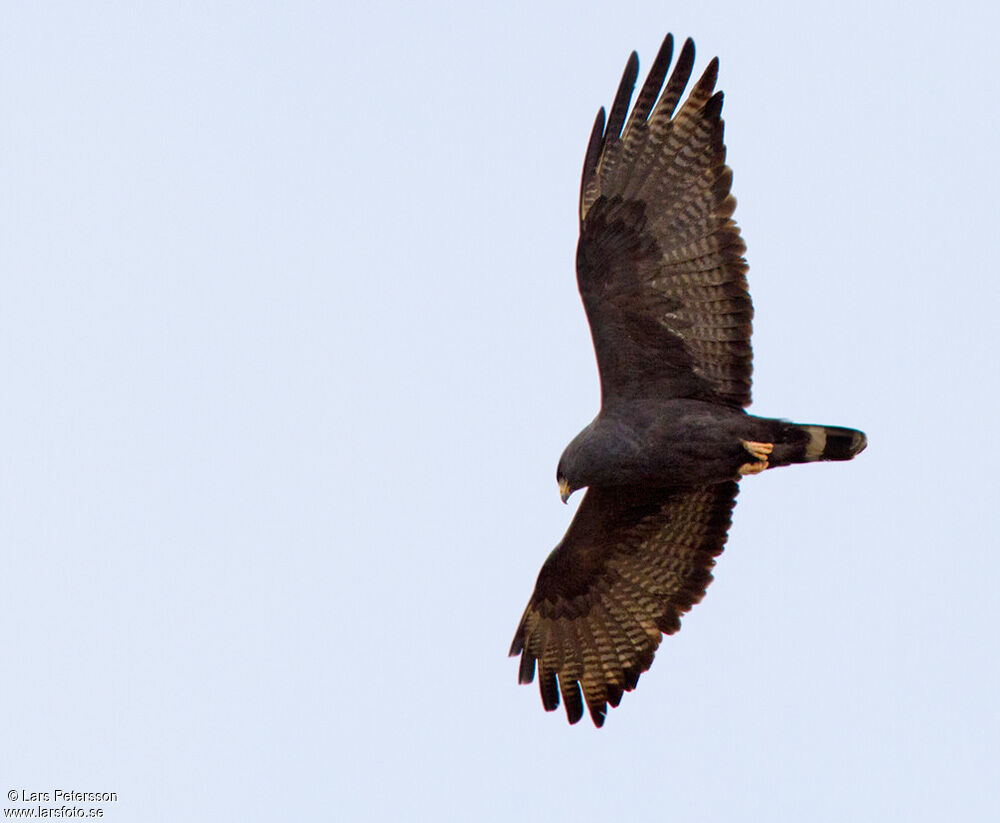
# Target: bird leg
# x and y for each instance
(758, 450)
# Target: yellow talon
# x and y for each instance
(758, 450)
(752, 468)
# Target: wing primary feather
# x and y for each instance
(598, 710)
(678, 80)
(572, 699)
(517, 644)
(622, 98)
(702, 91)
(549, 690)
(592, 157)
(713, 108)
(526, 671)
(654, 80)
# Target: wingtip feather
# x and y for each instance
(598, 711)
(622, 98)
(572, 699)
(549, 690)
(526, 671)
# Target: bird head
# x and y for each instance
(565, 475)
(576, 467)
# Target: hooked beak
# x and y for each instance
(564, 490)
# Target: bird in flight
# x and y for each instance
(661, 271)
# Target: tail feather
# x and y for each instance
(833, 443)
(799, 443)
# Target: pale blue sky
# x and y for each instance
(290, 345)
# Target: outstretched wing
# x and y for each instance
(660, 261)
(631, 563)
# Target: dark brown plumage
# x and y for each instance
(661, 272)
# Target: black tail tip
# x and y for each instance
(843, 444)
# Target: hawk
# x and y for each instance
(661, 271)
